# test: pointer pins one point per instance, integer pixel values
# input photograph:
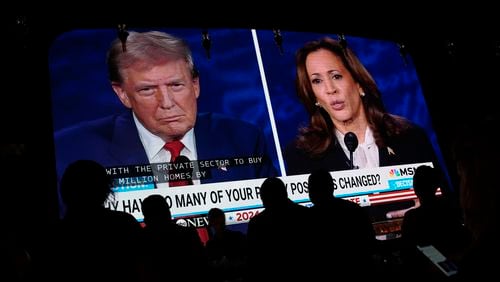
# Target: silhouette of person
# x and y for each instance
(93, 242)
(277, 236)
(435, 222)
(343, 235)
(226, 249)
(170, 250)
(476, 153)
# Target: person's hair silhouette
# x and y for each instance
(155, 210)
(85, 184)
(273, 193)
(320, 187)
(425, 183)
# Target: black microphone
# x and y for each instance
(351, 142)
(184, 166)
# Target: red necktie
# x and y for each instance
(175, 148)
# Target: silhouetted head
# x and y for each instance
(85, 185)
(425, 183)
(273, 193)
(155, 209)
(216, 219)
(320, 186)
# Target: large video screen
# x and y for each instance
(247, 113)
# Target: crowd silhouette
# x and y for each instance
(285, 241)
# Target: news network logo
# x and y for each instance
(201, 221)
(398, 172)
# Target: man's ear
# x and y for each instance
(122, 95)
(196, 86)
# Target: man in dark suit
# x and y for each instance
(153, 75)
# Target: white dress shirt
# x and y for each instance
(366, 154)
(153, 145)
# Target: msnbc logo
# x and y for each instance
(397, 172)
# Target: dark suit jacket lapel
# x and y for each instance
(338, 158)
(387, 159)
(125, 144)
(208, 148)
(204, 148)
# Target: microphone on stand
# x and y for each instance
(351, 142)
(183, 170)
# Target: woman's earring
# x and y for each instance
(317, 104)
(362, 94)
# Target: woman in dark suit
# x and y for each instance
(341, 96)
